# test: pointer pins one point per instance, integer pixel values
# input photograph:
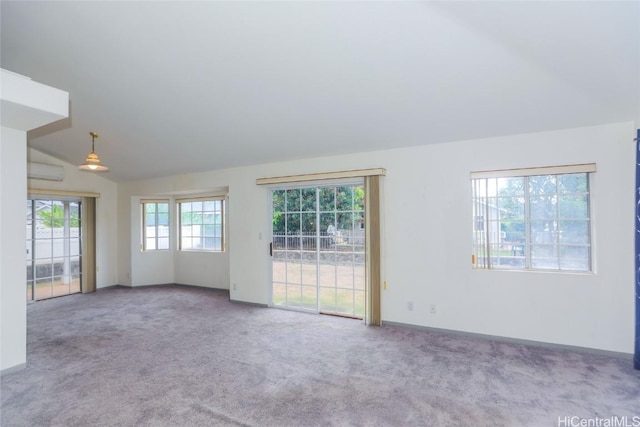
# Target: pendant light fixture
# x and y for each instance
(92, 164)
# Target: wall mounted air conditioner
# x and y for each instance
(45, 171)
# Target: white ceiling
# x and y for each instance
(178, 87)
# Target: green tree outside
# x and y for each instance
(294, 210)
(54, 217)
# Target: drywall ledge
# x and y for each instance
(27, 105)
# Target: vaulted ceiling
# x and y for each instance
(178, 87)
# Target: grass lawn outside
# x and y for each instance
(341, 290)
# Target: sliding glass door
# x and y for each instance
(54, 248)
(318, 249)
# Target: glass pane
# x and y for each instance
(513, 231)
(509, 208)
(544, 231)
(278, 225)
(327, 199)
(186, 243)
(344, 200)
(212, 243)
(328, 224)
(543, 206)
(279, 270)
(344, 221)
(150, 208)
(327, 275)
(576, 231)
(163, 219)
(186, 207)
(163, 243)
(208, 230)
(309, 273)
(43, 269)
(74, 246)
(43, 288)
(293, 223)
(309, 223)
(277, 198)
(58, 266)
(294, 296)
(573, 183)
(309, 199)
(186, 218)
(543, 184)
(327, 299)
(344, 301)
(511, 187)
(61, 285)
(163, 231)
(58, 246)
(74, 287)
(294, 273)
(75, 265)
(358, 198)
(196, 206)
(150, 244)
(358, 307)
(29, 270)
(573, 206)
(544, 257)
(575, 258)
(309, 243)
(293, 200)
(163, 207)
(209, 218)
(150, 219)
(279, 294)
(210, 205)
(309, 297)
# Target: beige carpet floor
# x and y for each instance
(184, 356)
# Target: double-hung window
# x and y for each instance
(201, 224)
(532, 219)
(155, 225)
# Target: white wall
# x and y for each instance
(427, 241)
(106, 211)
(13, 279)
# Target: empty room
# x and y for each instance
(301, 213)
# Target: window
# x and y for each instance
(155, 225)
(523, 220)
(201, 224)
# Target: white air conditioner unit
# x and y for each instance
(45, 171)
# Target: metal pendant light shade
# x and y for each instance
(92, 164)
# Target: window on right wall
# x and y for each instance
(532, 219)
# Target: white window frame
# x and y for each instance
(143, 245)
(483, 250)
(222, 210)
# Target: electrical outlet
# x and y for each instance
(410, 305)
(235, 287)
(433, 309)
